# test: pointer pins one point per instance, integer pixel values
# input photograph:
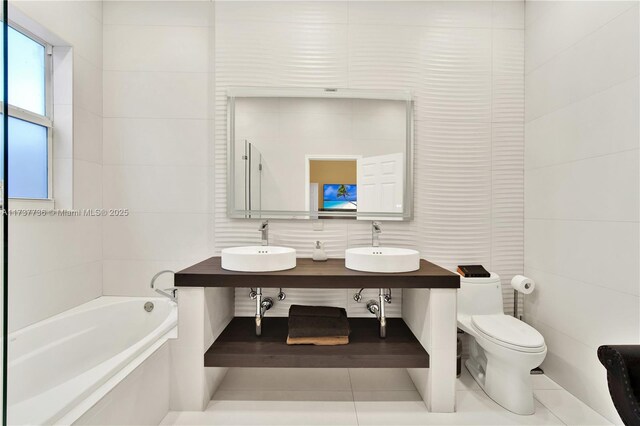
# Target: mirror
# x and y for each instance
(320, 154)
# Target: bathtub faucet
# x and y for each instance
(167, 292)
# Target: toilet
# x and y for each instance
(503, 349)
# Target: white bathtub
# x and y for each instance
(62, 363)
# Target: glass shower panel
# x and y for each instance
(255, 178)
(3, 205)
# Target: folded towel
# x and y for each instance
(318, 341)
(301, 326)
(317, 311)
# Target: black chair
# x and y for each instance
(623, 375)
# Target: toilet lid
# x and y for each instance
(508, 330)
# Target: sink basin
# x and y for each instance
(382, 259)
(258, 258)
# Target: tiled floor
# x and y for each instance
(264, 396)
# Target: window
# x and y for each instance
(30, 124)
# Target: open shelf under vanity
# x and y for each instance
(238, 346)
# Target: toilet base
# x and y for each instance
(507, 384)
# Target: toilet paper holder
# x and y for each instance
(522, 285)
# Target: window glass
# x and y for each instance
(28, 160)
(26, 73)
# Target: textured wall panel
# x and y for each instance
(466, 79)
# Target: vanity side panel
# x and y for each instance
(431, 316)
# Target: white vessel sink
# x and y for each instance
(382, 259)
(258, 258)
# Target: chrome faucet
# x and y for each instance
(167, 292)
(375, 234)
(264, 229)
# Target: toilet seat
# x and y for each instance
(508, 332)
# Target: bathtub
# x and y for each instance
(61, 366)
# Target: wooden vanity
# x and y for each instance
(310, 274)
(238, 346)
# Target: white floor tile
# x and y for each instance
(542, 382)
(287, 379)
(568, 408)
(380, 379)
(466, 381)
(277, 395)
(390, 395)
(473, 408)
(272, 396)
(265, 413)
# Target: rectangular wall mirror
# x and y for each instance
(320, 154)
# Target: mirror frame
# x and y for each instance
(264, 92)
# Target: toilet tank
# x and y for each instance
(480, 296)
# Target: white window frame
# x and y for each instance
(44, 121)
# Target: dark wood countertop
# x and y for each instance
(310, 274)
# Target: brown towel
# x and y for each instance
(318, 322)
(318, 326)
(318, 341)
(316, 311)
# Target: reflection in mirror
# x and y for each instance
(320, 157)
(249, 178)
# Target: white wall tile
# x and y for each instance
(581, 187)
(507, 204)
(601, 124)
(61, 242)
(37, 297)
(606, 57)
(156, 188)
(535, 9)
(87, 185)
(548, 37)
(308, 12)
(155, 48)
(70, 21)
(508, 51)
(576, 308)
(87, 135)
(155, 95)
(133, 277)
(307, 55)
(456, 74)
(463, 14)
(384, 56)
(166, 13)
(508, 14)
(87, 85)
(584, 190)
(93, 8)
(63, 182)
(156, 139)
(596, 252)
(178, 142)
(155, 236)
